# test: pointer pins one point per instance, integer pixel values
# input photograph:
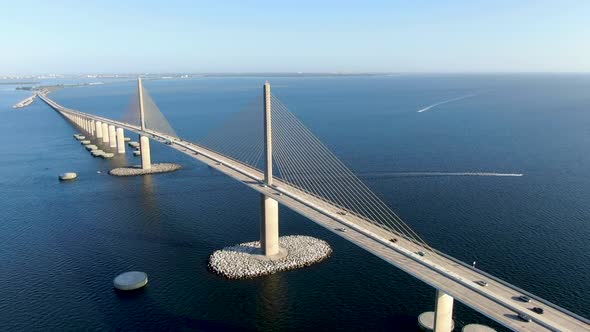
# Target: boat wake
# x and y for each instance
(428, 108)
(424, 174)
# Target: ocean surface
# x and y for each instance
(487, 168)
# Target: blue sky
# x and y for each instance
(294, 36)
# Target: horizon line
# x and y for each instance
(280, 73)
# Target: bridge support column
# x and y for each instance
(112, 137)
(443, 312)
(98, 129)
(269, 219)
(92, 128)
(144, 146)
(269, 226)
(105, 133)
(120, 140)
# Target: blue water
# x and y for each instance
(62, 243)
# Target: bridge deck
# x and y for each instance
(497, 301)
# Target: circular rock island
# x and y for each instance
(137, 170)
(246, 261)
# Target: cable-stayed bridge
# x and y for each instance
(268, 149)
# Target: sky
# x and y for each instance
(456, 36)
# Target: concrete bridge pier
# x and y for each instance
(98, 129)
(105, 133)
(443, 312)
(112, 137)
(120, 140)
(269, 226)
(144, 146)
(92, 128)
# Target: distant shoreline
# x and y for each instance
(18, 82)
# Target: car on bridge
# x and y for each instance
(538, 310)
(524, 317)
(524, 298)
(482, 283)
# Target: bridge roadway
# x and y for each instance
(498, 301)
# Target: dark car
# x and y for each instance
(524, 298)
(394, 240)
(524, 317)
(538, 310)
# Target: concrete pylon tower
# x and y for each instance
(144, 141)
(269, 219)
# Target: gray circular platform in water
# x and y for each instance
(130, 280)
(426, 321)
(68, 176)
(477, 328)
(107, 155)
(97, 153)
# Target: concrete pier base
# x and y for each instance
(130, 280)
(443, 312)
(269, 226)
(146, 161)
(426, 321)
(247, 260)
(120, 140)
(105, 133)
(112, 137)
(477, 328)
